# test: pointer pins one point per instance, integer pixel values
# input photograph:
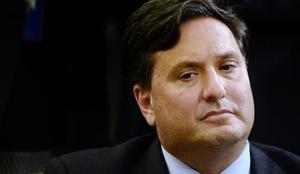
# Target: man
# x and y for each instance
(191, 83)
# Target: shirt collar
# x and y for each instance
(241, 165)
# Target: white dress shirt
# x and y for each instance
(241, 165)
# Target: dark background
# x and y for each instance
(65, 92)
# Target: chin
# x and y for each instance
(224, 135)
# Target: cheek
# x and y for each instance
(174, 111)
(240, 89)
(174, 103)
(241, 94)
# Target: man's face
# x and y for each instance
(200, 93)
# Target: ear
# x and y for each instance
(143, 99)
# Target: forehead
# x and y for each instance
(201, 39)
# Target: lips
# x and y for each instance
(216, 113)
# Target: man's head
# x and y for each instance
(189, 72)
(155, 27)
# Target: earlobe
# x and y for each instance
(144, 100)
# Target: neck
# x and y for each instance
(210, 160)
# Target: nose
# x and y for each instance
(213, 87)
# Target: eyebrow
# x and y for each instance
(229, 54)
(191, 64)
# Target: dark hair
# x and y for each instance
(155, 26)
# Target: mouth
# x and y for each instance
(219, 114)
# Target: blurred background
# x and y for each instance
(62, 88)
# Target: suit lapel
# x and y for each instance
(154, 160)
(261, 163)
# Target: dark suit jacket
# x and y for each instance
(143, 155)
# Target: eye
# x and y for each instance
(229, 66)
(187, 76)
(226, 67)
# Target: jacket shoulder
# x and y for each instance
(287, 161)
(102, 160)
